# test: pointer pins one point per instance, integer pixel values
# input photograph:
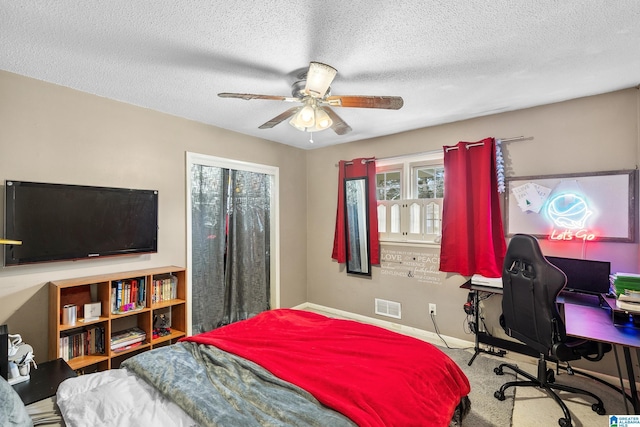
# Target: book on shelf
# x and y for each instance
(626, 288)
(82, 343)
(164, 288)
(628, 305)
(123, 345)
(127, 347)
(128, 295)
(128, 337)
(631, 296)
(624, 283)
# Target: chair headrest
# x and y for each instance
(524, 258)
(525, 246)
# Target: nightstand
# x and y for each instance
(44, 381)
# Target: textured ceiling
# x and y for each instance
(449, 60)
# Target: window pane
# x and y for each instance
(388, 185)
(433, 220)
(429, 182)
(429, 218)
(439, 185)
(380, 186)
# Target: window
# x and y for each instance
(410, 191)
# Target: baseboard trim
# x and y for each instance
(430, 337)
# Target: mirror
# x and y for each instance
(357, 226)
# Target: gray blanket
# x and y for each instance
(220, 389)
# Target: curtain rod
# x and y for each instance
(372, 159)
(512, 139)
(515, 138)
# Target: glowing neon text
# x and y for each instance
(582, 234)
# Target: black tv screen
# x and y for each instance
(583, 275)
(58, 222)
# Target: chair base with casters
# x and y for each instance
(546, 381)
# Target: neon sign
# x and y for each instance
(569, 212)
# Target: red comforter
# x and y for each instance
(373, 376)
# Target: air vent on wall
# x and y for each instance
(388, 308)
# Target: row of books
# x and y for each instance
(164, 288)
(626, 288)
(128, 295)
(127, 339)
(83, 343)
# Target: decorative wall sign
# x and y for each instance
(421, 264)
(581, 207)
(531, 196)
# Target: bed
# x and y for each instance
(283, 367)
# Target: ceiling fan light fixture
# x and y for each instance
(319, 78)
(323, 121)
(304, 118)
(293, 123)
(311, 118)
(307, 116)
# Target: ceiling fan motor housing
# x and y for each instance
(297, 89)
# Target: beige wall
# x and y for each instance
(598, 133)
(54, 134)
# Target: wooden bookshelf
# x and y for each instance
(103, 288)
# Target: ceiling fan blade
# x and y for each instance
(250, 96)
(385, 102)
(280, 118)
(339, 126)
(319, 78)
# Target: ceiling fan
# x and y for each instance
(313, 92)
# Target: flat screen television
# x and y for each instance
(57, 222)
(583, 275)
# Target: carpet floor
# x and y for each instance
(529, 406)
(486, 410)
(534, 408)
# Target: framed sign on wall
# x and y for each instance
(599, 206)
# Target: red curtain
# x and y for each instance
(353, 169)
(473, 239)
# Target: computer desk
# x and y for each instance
(596, 323)
(483, 337)
(582, 321)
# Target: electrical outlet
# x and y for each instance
(432, 309)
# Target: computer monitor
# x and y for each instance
(583, 275)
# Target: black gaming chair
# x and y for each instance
(531, 315)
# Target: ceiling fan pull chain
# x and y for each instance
(311, 137)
